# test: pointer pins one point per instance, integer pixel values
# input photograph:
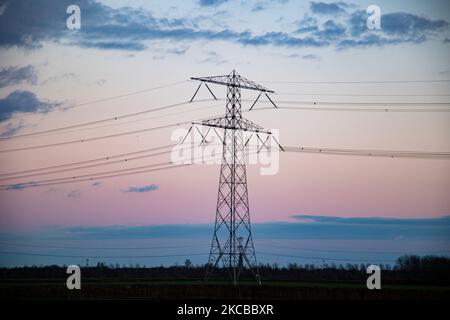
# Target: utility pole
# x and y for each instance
(232, 242)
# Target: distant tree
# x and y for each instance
(188, 263)
(292, 266)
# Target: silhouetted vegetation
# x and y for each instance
(416, 269)
(411, 277)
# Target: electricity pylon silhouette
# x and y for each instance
(232, 242)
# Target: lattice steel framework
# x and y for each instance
(232, 242)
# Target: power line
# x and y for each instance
(124, 95)
(362, 82)
(383, 109)
(353, 251)
(108, 162)
(322, 258)
(131, 121)
(88, 166)
(315, 106)
(374, 104)
(120, 172)
(372, 153)
(115, 118)
(183, 255)
(75, 178)
(91, 178)
(97, 248)
(100, 257)
(94, 138)
(107, 158)
(101, 175)
(385, 105)
(206, 243)
(360, 95)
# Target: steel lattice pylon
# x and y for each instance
(232, 242)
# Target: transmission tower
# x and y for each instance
(232, 242)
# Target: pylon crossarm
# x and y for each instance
(238, 82)
(243, 126)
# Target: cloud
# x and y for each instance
(376, 220)
(259, 6)
(213, 57)
(20, 186)
(209, 3)
(28, 24)
(327, 8)
(59, 77)
(11, 129)
(178, 51)
(396, 28)
(16, 75)
(307, 24)
(263, 5)
(330, 30)
(116, 45)
(23, 101)
(148, 188)
(74, 194)
(312, 227)
(3, 8)
(406, 24)
(311, 57)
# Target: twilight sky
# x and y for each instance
(45, 69)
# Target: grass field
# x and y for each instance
(192, 289)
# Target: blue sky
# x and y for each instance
(313, 239)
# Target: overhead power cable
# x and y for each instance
(371, 153)
(88, 256)
(107, 174)
(301, 248)
(114, 135)
(88, 176)
(97, 248)
(99, 257)
(167, 165)
(70, 164)
(361, 94)
(113, 174)
(115, 118)
(108, 161)
(324, 258)
(145, 156)
(114, 124)
(361, 103)
(124, 95)
(363, 82)
(355, 251)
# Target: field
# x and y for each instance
(49, 289)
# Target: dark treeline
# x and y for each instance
(409, 269)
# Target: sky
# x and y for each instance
(52, 77)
